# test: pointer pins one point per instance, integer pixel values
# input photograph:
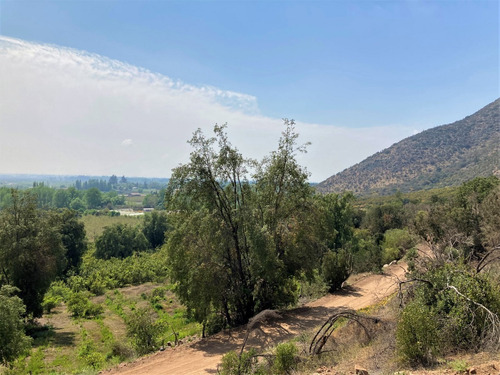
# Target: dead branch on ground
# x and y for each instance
(319, 340)
(257, 319)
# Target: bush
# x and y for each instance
(144, 330)
(335, 268)
(396, 242)
(57, 293)
(285, 358)
(441, 321)
(233, 364)
(88, 352)
(365, 252)
(80, 306)
(417, 335)
(119, 241)
(13, 341)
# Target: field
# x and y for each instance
(74, 345)
(94, 225)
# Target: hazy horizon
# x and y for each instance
(83, 95)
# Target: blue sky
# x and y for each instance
(348, 64)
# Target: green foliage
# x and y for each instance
(417, 335)
(89, 352)
(365, 252)
(395, 244)
(93, 197)
(154, 227)
(13, 341)
(77, 204)
(445, 314)
(234, 364)
(61, 199)
(337, 219)
(459, 365)
(98, 275)
(313, 287)
(236, 246)
(285, 360)
(119, 241)
(36, 364)
(80, 306)
(383, 217)
(57, 293)
(336, 268)
(31, 250)
(145, 330)
(73, 238)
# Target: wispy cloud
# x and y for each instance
(127, 142)
(62, 110)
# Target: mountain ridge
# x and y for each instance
(446, 155)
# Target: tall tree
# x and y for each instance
(236, 244)
(31, 250)
(93, 196)
(73, 237)
(154, 227)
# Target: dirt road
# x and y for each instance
(203, 356)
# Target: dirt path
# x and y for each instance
(203, 356)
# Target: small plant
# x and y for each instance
(80, 306)
(234, 364)
(36, 365)
(285, 358)
(144, 330)
(459, 365)
(88, 351)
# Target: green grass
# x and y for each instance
(94, 225)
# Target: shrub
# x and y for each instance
(88, 351)
(396, 242)
(234, 364)
(285, 358)
(447, 314)
(119, 241)
(57, 293)
(13, 341)
(335, 268)
(417, 335)
(144, 330)
(80, 306)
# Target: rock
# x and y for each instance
(169, 343)
(472, 371)
(360, 371)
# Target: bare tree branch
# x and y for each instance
(321, 337)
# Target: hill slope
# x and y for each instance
(446, 155)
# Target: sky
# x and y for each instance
(118, 87)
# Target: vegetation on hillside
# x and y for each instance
(443, 156)
(239, 237)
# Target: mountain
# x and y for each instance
(446, 155)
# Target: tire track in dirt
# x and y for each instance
(203, 356)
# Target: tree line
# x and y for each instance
(239, 236)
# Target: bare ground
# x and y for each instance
(203, 356)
